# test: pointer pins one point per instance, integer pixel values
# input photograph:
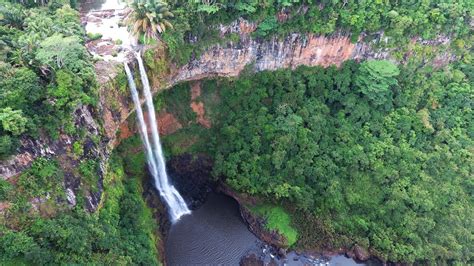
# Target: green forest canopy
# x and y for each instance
(45, 71)
(385, 154)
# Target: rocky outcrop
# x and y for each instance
(110, 37)
(241, 198)
(256, 225)
(30, 149)
(61, 149)
(258, 55)
(361, 253)
(358, 253)
(45, 146)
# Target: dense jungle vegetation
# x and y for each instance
(370, 153)
(122, 232)
(194, 20)
(45, 71)
(45, 74)
(382, 155)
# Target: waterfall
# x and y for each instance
(154, 153)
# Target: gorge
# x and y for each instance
(248, 133)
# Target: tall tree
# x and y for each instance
(375, 78)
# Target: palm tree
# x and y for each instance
(149, 17)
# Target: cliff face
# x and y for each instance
(225, 61)
(293, 51)
(230, 60)
(61, 149)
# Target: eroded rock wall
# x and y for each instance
(221, 60)
(61, 149)
(230, 60)
(293, 51)
(258, 54)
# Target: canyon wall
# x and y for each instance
(229, 60)
(223, 61)
(220, 60)
(295, 50)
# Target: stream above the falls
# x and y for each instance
(95, 5)
(215, 234)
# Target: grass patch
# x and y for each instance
(77, 149)
(277, 219)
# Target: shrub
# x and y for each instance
(89, 172)
(44, 177)
(94, 36)
(78, 149)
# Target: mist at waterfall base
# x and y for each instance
(156, 164)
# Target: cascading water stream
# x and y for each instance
(154, 153)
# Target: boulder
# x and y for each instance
(251, 260)
(282, 252)
(361, 253)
